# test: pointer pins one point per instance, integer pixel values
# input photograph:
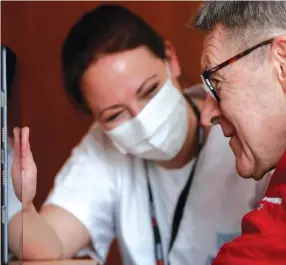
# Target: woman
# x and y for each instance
(145, 154)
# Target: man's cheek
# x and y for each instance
(227, 110)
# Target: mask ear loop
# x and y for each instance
(168, 69)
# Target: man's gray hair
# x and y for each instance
(244, 19)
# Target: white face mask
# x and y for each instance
(159, 131)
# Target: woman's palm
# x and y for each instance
(24, 170)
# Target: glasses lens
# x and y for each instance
(210, 88)
(206, 86)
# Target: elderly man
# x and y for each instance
(244, 61)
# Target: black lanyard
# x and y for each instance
(178, 214)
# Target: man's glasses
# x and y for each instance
(206, 75)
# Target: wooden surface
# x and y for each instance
(62, 262)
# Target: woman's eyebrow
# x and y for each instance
(109, 108)
(144, 82)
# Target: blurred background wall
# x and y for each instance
(36, 31)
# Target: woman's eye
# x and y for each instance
(150, 91)
(113, 117)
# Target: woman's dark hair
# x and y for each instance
(105, 30)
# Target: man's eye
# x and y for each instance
(214, 83)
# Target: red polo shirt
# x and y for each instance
(263, 239)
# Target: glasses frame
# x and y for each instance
(206, 75)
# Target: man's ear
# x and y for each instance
(279, 59)
(172, 59)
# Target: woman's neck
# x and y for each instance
(188, 151)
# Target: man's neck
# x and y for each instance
(188, 152)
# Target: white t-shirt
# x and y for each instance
(107, 192)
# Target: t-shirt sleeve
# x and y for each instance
(85, 187)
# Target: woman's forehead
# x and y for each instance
(114, 76)
(127, 63)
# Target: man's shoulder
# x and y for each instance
(263, 230)
(279, 175)
(270, 216)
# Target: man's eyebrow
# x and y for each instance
(215, 74)
(137, 92)
(208, 66)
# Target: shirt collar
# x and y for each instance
(279, 176)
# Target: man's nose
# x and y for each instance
(210, 111)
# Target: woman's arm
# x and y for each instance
(50, 234)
